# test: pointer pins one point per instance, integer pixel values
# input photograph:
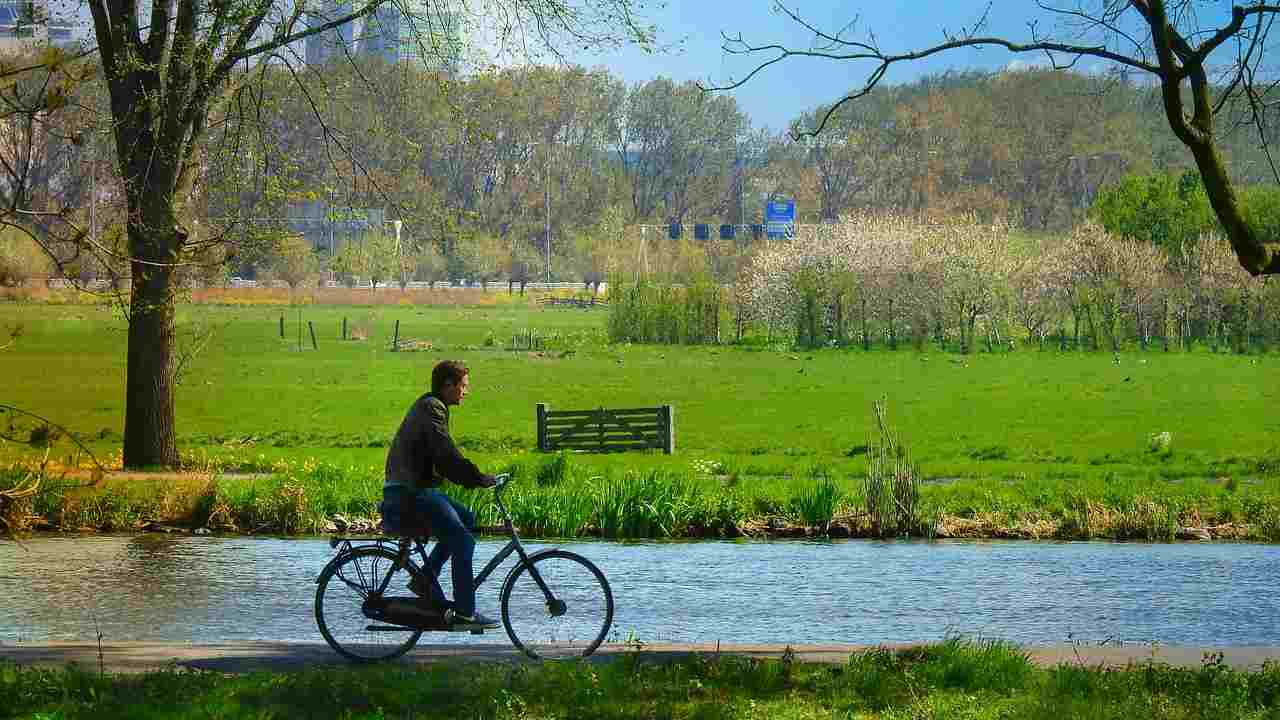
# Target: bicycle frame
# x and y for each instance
(405, 547)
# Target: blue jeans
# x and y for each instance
(451, 523)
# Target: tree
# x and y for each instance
(167, 71)
(677, 146)
(293, 260)
(383, 259)
(485, 257)
(1172, 40)
(1162, 209)
(20, 258)
(373, 257)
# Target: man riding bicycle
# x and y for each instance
(421, 457)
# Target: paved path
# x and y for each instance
(246, 656)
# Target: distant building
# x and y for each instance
(330, 43)
(380, 36)
(26, 24)
(430, 34)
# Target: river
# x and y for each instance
(216, 589)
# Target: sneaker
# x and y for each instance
(475, 620)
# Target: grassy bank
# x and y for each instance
(769, 441)
(957, 679)
(559, 497)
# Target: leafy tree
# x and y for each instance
(293, 260)
(382, 259)
(373, 257)
(484, 257)
(1163, 209)
(20, 258)
(1172, 40)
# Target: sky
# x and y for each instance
(690, 32)
(775, 97)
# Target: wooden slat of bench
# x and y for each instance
(598, 430)
(607, 447)
(593, 423)
(620, 411)
(560, 433)
(604, 436)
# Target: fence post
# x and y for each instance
(395, 342)
(542, 427)
(668, 426)
(282, 326)
(311, 326)
(344, 327)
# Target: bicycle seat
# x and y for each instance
(411, 532)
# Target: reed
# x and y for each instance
(307, 497)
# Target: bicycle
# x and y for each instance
(554, 602)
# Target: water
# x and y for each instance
(205, 590)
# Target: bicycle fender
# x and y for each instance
(532, 557)
(345, 551)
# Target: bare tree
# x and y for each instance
(1173, 40)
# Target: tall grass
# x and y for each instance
(891, 490)
(648, 311)
(816, 501)
(573, 500)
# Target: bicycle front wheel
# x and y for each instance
(345, 588)
(557, 605)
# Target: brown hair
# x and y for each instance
(445, 372)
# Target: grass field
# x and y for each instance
(1016, 426)
(957, 679)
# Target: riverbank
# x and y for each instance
(553, 497)
(958, 678)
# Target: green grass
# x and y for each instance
(1049, 436)
(956, 679)
(759, 412)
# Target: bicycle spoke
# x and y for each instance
(340, 606)
(560, 606)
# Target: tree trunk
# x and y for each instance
(149, 419)
(893, 328)
(1164, 323)
(866, 338)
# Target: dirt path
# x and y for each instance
(277, 656)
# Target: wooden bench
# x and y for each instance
(604, 430)
(574, 302)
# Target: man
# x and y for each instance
(421, 457)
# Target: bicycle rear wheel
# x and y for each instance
(345, 586)
(567, 614)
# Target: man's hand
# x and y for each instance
(487, 481)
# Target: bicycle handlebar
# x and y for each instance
(502, 480)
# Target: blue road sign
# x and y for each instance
(780, 219)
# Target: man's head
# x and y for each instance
(449, 382)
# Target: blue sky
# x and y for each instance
(775, 97)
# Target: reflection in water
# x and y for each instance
(192, 589)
